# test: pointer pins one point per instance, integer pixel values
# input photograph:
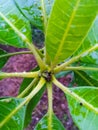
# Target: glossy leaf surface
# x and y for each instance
(68, 26)
(24, 84)
(81, 78)
(83, 116)
(6, 107)
(7, 35)
(90, 41)
(43, 124)
(34, 101)
(62, 74)
(92, 74)
(90, 60)
(32, 9)
(31, 106)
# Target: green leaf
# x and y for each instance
(4, 60)
(31, 106)
(62, 74)
(92, 74)
(34, 101)
(7, 34)
(83, 116)
(82, 79)
(6, 107)
(90, 60)
(90, 41)
(24, 84)
(43, 124)
(33, 11)
(68, 26)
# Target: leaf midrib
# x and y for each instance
(44, 14)
(66, 32)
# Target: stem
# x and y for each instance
(81, 68)
(72, 60)
(20, 74)
(50, 105)
(26, 40)
(75, 96)
(28, 88)
(85, 79)
(27, 99)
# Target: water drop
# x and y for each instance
(12, 20)
(3, 25)
(16, 119)
(7, 30)
(94, 55)
(24, 30)
(8, 100)
(85, 54)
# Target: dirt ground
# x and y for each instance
(10, 87)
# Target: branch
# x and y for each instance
(27, 99)
(75, 96)
(74, 59)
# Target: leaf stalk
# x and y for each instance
(74, 59)
(75, 96)
(20, 74)
(81, 68)
(50, 105)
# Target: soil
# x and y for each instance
(10, 87)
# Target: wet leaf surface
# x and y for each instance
(7, 105)
(83, 116)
